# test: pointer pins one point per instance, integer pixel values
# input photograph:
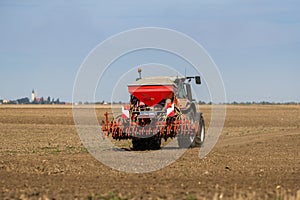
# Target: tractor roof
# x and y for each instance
(156, 80)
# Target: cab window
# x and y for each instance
(181, 90)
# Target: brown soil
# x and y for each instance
(256, 157)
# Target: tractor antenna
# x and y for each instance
(140, 73)
(184, 71)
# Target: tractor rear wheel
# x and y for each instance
(185, 141)
(196, 140)
(200, 136)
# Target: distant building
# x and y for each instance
(33, 96)
(6, 101)
(38, 100)
(41, 100)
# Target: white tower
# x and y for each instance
(32, 96)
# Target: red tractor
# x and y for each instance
(160, 107)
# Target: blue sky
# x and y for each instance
(255, 44)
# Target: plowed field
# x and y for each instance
(256, 157)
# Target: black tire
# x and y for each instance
(200, 136)
(186, 141)
(152, 143)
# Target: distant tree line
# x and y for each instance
(101, 102)
(26, 100)
(252, 103)
(207, 103)
(47, 101)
